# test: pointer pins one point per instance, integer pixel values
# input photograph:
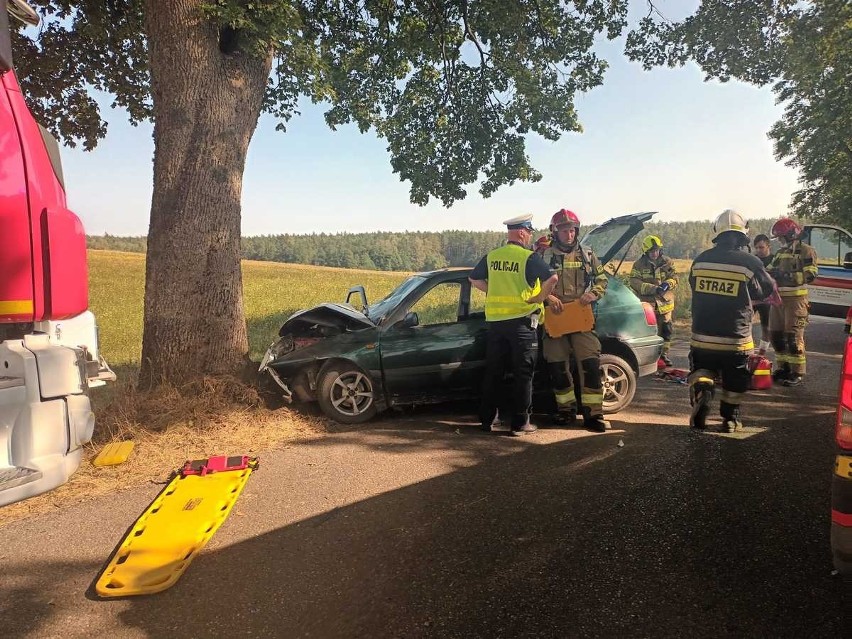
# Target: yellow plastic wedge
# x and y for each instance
(114, 453)
(168, 535)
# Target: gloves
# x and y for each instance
(663, 288)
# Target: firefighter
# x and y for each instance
(515, 281)
(724, 281)
(653, 280)
(580, 277)
(794, 266)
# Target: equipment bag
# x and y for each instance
(761, 372)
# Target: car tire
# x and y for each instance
(619, 383)
(345, 393)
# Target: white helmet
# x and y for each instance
(730, 220)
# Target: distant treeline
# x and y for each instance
(421, 251)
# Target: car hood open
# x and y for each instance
(329, 314)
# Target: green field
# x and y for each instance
(273, 292)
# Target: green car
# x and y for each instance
(425, 341)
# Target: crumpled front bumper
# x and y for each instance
(266, 368)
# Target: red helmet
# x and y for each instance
(562, 217)
(787, 228)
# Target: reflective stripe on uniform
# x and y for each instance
(729, 271)
(565, 397)
(726, 275)
(592, 399)
(697, 342)
(792, 291)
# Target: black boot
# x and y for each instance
(665, 358)
(596, 424)
(730, 416)
(792, 380)
(780, 374)
(700, 408)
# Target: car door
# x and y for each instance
(440, 357)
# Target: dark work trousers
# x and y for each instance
(513, 345)
(733, 370)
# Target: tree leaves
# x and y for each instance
(805, 50)
(454, 86)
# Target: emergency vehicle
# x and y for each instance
(49, 357)
(830, 294)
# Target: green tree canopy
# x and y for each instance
(804, 49)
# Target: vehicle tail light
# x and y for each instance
(843, 427)
(650, 315)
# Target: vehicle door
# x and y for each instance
(434, 345)
(831, 292)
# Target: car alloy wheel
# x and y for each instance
(619, 383)
(346, 394)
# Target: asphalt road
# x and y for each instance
(419, 525)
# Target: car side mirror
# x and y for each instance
(847, 261)
(409, 321)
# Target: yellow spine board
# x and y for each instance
(113, 453)
(168, 535)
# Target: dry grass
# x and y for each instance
(215, 416)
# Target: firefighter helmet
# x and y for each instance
(786, 228)
(651, 242)
(730, 220)
(563, 217)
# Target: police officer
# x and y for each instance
(580, 277)
(724, 281)
(516, 281)
(794, 266)
(653, 280)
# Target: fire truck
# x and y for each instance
(49, 357)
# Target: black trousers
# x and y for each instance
(510, 345)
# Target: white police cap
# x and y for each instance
(520, 222)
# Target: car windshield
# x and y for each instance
(602, 239)
(386, 305)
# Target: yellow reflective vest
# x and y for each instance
(508, 289)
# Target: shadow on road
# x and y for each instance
(580, 537)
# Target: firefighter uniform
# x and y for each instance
(514, 275)
(578, 270)
(724, 281)
(647, 278)
(794, 267)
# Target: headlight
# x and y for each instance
(277, 349)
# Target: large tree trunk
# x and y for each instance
(206, 107)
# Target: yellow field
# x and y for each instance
(272, 293)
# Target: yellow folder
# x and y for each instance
(574, 318)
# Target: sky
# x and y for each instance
(662, 140)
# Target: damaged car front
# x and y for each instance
(330, 354)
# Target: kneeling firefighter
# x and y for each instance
(724, 281)
(653, 280)
(580, 277)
